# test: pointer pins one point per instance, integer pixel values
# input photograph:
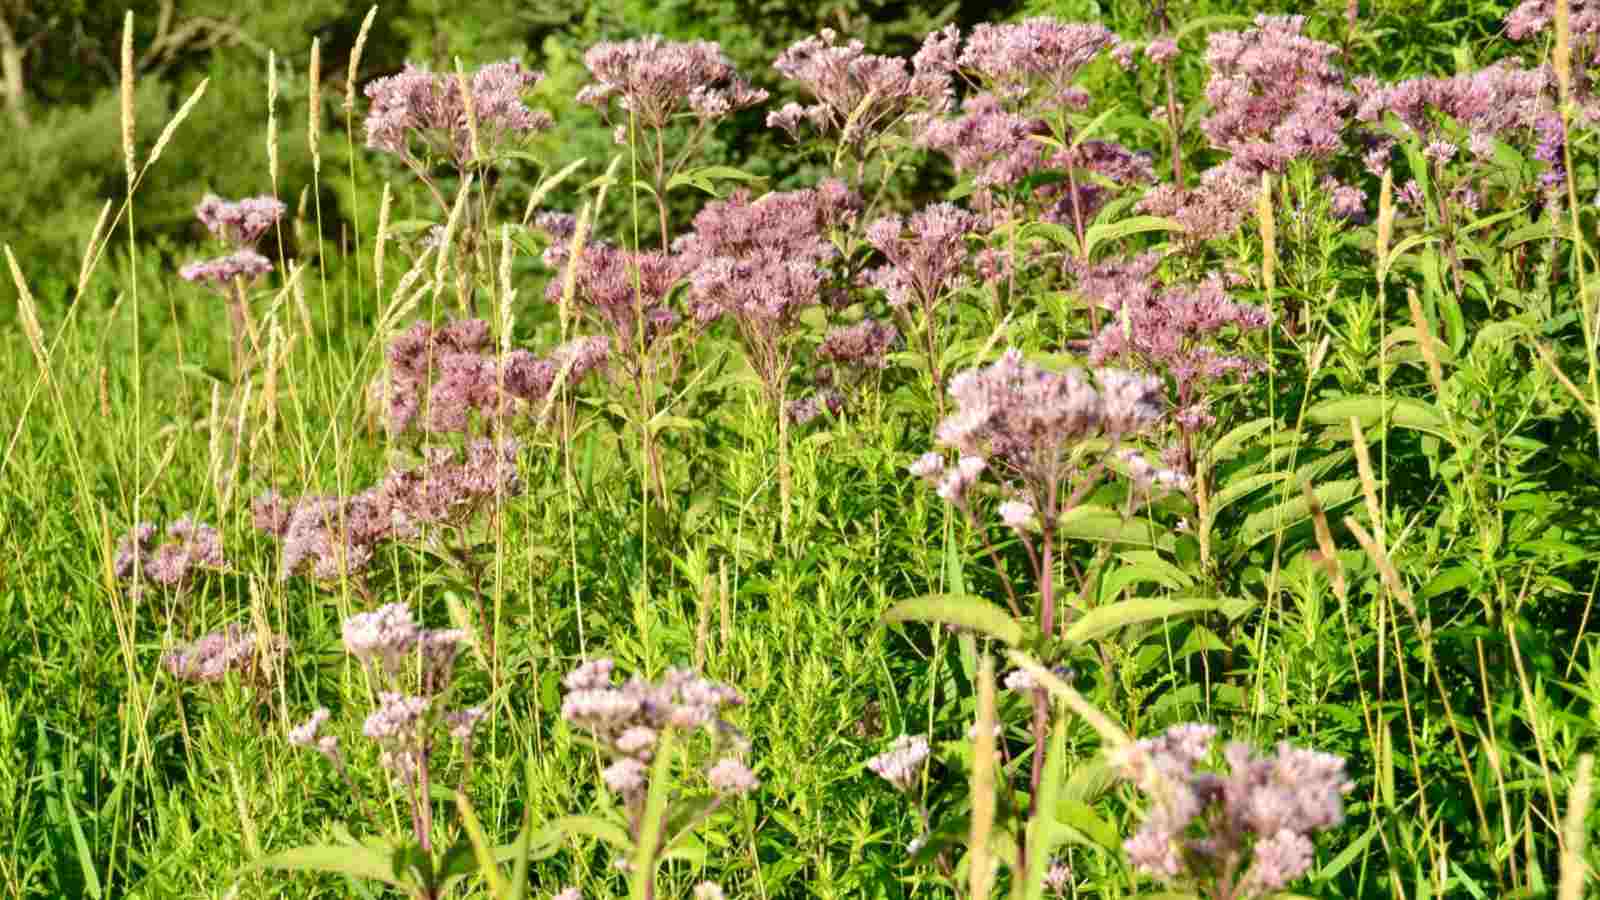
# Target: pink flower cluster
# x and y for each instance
(1171, 330)
(860, 95)
(1037, 54)
(656, 79)
(246, 652)
(1249, 827)
(191, 545)
(337, 537)
(450, 372)
(421, 110)
(1275, 94)
(240, 223)
(628, 720)
(1024, 421)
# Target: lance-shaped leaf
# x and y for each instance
(960, 610)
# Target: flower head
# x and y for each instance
(902, 764)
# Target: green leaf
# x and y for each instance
(355, 861)
(1112, 231)
(961, 610)
(706, 177)
(1206, 23)
(1238, 488)
(1104, 525)
(1229, 445)
(1261, 525)
(1083, 820)
(594, 827)
(1115, 616)
(1403, 412)
(480, 848)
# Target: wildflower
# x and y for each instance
(222, 271)
(396, 718)
(570, 893)
(1161, 51)
(625, 776)
(858, 95)
(1216, 208)
(306, 735)
(864, 345)
(174, 564)
(654, 79)
(1039, 52)
(1058, 876)
(1022, 421)
(903, 763)
(1276, 95)
(1252, 823)
(239, 223)
(731, 776)
(232, 649)
(708, 890)
(416, 109)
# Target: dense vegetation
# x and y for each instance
(679, 450)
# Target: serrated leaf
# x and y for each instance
(1229, 445)
(354, 861)
(1103, 525)
(1292, 512)
(961, 610)
(594, 827)
(1083, 820)
(1116, 616)
(1112, 231)
(1403, 412)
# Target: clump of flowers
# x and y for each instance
(1174, 330)
(633, 721)
(1242, 834)
(1049, 438)
(445, 378)
(860, 97)
(923, 268)
(436, 504)
(1038, 58)
(424, 117)
(760, 262)
(903, 764)
(249, 654)
(847, 357)
(239, 225)
(654, 81)
(1276, 95)
(175, 563)
(411, 721)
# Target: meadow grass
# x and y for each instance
(1382, 548)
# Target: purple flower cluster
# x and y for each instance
(923, 266)
(239, 223)
(451, 373)
(986, 139)
(903, 763)
(1534, 17)
(248, 653)
(1040, 54)
(419, 108)
(1498, 101)
(1172, 330)
(626, 293)
(402, 724)
(1246, 832)
(655, 79)
(1275, 94)
(760, 262)
(221, 271)
(1024, 421)
(860, 95)
(628, 720)
(191, 545)
(1215, 208)
(862, 346)
(337, 537)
